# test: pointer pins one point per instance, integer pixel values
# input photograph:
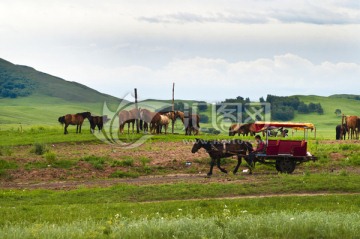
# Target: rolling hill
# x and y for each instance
(29, 97)
(18, 80)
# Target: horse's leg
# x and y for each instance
(218, 165)
(238, 164)
(65, 129)
(211, 166)
(80, 128)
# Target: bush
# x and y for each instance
(50, 157)
(95, 161)
(39, 149)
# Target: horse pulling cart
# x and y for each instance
(285, 154)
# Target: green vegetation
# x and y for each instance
(95, 161)
(150, 210)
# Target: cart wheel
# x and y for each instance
(285, 165)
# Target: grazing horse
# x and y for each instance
(234, 129)
(223, 149)
(127, 117)
(247, 129)
(164, 121)
(151, 118)
(97, 121)
(172, 115)
(341, 132)
(191, 123)
(74, 119)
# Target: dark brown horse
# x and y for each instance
(247, 129)
(235, 129)
(223, 149)
(152, 118)
(192, 124)
(74, 119)
(341, 132)
(97, 121)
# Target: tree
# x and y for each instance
(303, 108)
(338, 112)
(202, 106)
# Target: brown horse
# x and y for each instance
(74, 119)
(235, 129)
(191, 123)
(164, 121)
(224, 149)
(152, 118)
(248, 128)
(97, 121)
(352, 126)
(127, 117)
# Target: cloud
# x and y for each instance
(264, 12)
(217, 79)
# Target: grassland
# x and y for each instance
(81, 187)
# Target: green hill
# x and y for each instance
(21, 81)
(29, 97)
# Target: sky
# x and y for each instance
(212, 50)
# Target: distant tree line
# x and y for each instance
(12, 87)
(284, 107)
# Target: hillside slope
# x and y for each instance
(22, 81)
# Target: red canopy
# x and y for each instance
(262, 125)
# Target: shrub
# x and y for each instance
(39, 149)
(95, 161)
(50, 157)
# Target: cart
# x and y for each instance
(285, 154)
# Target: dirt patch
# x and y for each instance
(151, 163)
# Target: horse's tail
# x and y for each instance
(61, 120)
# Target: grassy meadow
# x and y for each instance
(320, 201)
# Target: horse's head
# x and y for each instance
(197, 145)
(179, 114)
(249, 146)
(86, 115)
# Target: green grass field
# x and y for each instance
(266, 205)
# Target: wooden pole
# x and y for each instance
(136, 106)
(173, 109)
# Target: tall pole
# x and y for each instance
(136, 106)
(173, 110)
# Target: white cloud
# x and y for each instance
(217, 79)
(212, 51)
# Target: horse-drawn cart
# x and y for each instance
(285, 154)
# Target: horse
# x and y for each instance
(152, 118)
(191, 123)
(235, 129)
(74, 119)
(247, 129)
(127, 117)
(352, 127)
(97, 121)
(164, 121)
(172, 115)
(224, 149)
(341, 132)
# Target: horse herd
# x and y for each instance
(350, 125)
(148, 121)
